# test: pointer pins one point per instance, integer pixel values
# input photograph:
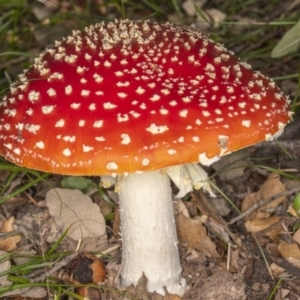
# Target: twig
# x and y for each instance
(57, 266)
(228, 257)
(64, 262)
(262, 203)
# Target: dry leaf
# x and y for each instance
(296, 236)
(276, 270)
(72, 209)
(10, 243)
(271, 187)
(257, 225)
(290, 252)
(193, 233)
(291, 210)
(282, 294)
(248, 202)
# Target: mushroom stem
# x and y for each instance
(149, 238)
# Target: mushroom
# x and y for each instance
(141, 102)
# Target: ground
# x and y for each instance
(223, 255)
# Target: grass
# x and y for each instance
(252, 29)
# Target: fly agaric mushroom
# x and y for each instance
(139, 101)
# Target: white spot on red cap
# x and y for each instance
(81, 123)
(122, 95)
(134, 114)
(60, 123)
(17, 151)
(246, 123)
(20, 126)
(9, 146)
(109, 105)
(33, 96)
(75, 105)
(122, 117)
(111, 166)
(51, 92)
(69, 138)
(204, 160)
(68, 90)
(157, 129)
(97, 78)
(125, 139)
(32, 128)
(81, 70)
(85, 93)
(163, 111)
(140, 90)
(183, 113)
(40, 145)
(87, 148)
(67, 152)
(155, 97)
(98, 124)
(107, 64)
(47, 109)
(92, 106)
(172, 151)
(145, 162)
(121, 84)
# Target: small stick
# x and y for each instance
(64, 262)
(228, 256)
(262, 203)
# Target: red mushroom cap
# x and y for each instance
(132, 96)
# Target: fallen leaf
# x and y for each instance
(193, 233)
(276, 270)
(76, 211)
(282, 294)
(296, 236)
(10, 243)
(290, 252)
(271, 187)
(257, 225)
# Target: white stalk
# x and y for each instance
(149, 239)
